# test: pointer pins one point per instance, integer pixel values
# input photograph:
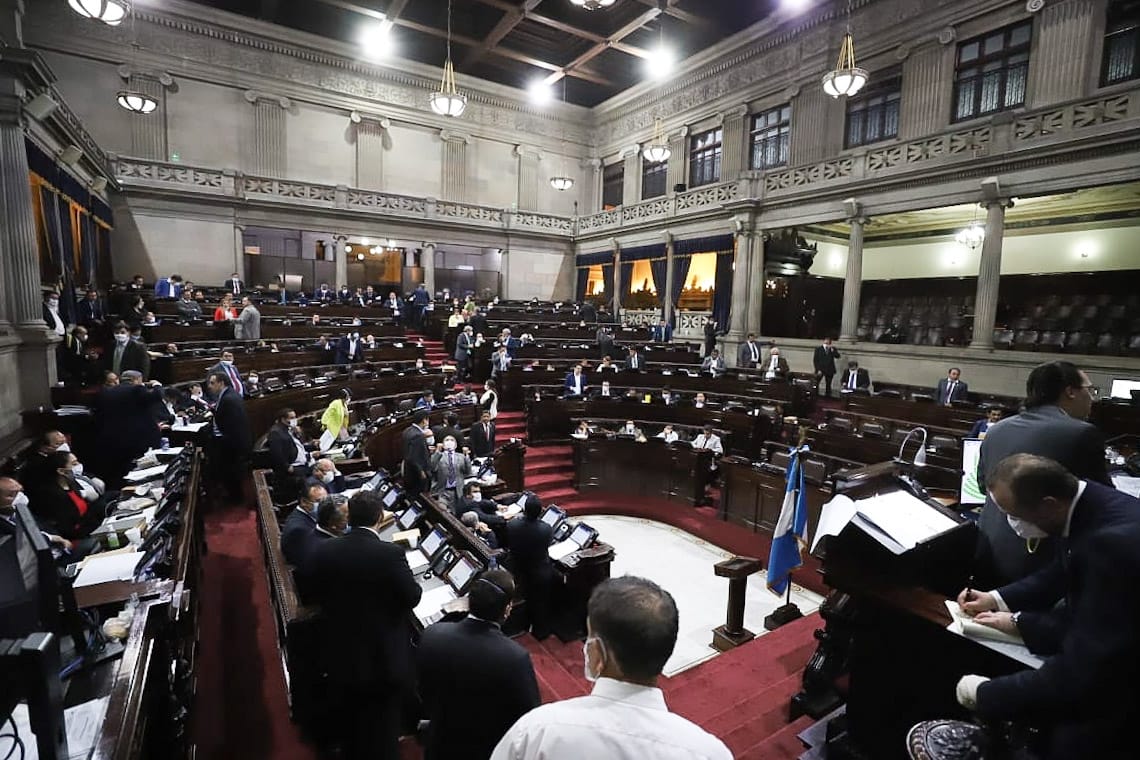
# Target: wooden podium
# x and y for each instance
(733, 633)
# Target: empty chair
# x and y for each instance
(406, 405)
(1089, 312)
(1023, 323)
(1003, 338)
(944, 443)
(1063, 312)
(1117, 311)
(863, 332)
(1025, 340)
(1080, 343)
(922, 398)
(934, 336)
(842, 423)
(1051, 341)
(1133, 347)
(1102, 300)
(1108, 343)
(889, 393)
(815, 471)
(767, 410)
(781, 459)
(376, 411)
(916, 336)
(873, 430)
(898, 435)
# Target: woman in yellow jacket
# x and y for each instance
(335, 418)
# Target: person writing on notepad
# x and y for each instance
(1086, 689)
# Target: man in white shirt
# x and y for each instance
(749, 354)
(708, 440)
(631, 631)
(51, 314)
(669, 435)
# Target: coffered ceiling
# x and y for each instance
(589, 55)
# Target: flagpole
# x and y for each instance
(788, 611)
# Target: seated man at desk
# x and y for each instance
(635, 362)
(482, 530)
(604, 391)
(1084, 695)
(668, 398)
(775, 366)
(575, 383)
(606, 365)
(708, 440)
(700, 401)
(297, 531)
(326, 474)
(582, 432)
(332, 516)
(630, 430)
(426, 401)
(855, 378)
(713, 363)
(486, 510)
(981, 427)
(668, 435)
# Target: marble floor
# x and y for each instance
(683, 565)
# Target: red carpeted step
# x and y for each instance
(782, 745)
(548, 481)
(556, 495)
(551, 673)
(545, 466)
(757, 717)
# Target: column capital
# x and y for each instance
(590, 163)
(253, 97)
(528, 151)
(164, 78)
(678, 134)
(860, 219)
(449, 135)
(629, 150)
(427, 245)
(615, 244)
(359, 117)
(1002, 202)
(668, 236)
(737, 112)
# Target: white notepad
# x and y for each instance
(432, 601)
(1007, 644)
(562, 549)
(113, 567)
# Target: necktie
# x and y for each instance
(487, 432)
(755, 355)
(450, 470)
(950, 390)
(851, 382)
(118, 363)
(235, 382)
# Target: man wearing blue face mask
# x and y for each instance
(1058, 400)
(632, 628)
(1084, 696)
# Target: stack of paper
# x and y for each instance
(432, 601)
(148, 473)
(897, 520)
(562, 549)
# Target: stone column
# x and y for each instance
(616, 295)
(631, 191)
(677, 172)
(267, 142)
(989, 274)
(530, 160)
(670, 276)
(335, 249)
(1058, 68)
(927, 81)
(239, 250)
(738, 316)
(24, 338)
(754, 240)
(148, 131)
(11, 23)
(427, 261)
(735, 143)
(817, 126)
(453, 180)
(370, 132)
(853, 283)
(592, 186)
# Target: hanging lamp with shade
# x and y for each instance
(448, 100)
(846, 78)
(110, 12)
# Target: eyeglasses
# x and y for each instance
(1093, 390)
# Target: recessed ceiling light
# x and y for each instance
(375, 40)
(540, 92)
(660, 62)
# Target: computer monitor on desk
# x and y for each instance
(29, 584)
(1122, 388)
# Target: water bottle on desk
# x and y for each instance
(164, 442)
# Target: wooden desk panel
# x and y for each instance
(674, 472)
(180, 369)
(752, 498)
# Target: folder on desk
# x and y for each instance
(896, 519)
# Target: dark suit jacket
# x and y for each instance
(125, 426)
(587, 313)
(87, 312)
(1087, 692)
(282, 451)
(960, 391)
(366, 591)
(479, 324)
(229, 416)
(568, 384)
(635, 361)
(824, 360)
(134, 357)
(744, 355)
(862, 379)
(475, 683)
(529, 544)
(1046, 431)
(229, 285)
(343, 356)
(979, 427)
(415, 449)
(463, 346)
(782, 368)
(482, 441)
(298, 536)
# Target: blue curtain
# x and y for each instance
(680, 274)
(640, 252)
(722, 291)
(592, 259)
(583, 279)
(66, 261)
(715, 243)
(608, 280)
(89, 248)
(659, 269)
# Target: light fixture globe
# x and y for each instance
(137, 102)
(592, 5)
(846, 78)
(971, 236)
(448, 103)
(655, 153)
(562, 184)
(110, 12)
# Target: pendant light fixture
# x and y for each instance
(658, 149)
(592, 5)
(448, 100)
(973, 235)
(846, 78)
(562, 183)
(110, 12)
(132, 99)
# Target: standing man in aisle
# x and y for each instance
(475, 682)
(248, 325)
(415, 464)
(367, 592)
(749, 354)
(632, 626)
(824, 361)
(420, 300)
(232, 440)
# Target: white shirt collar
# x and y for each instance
(327, 532)
(1072, 507)
(373, 531)
(648, 697)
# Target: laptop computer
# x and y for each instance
(457, 579)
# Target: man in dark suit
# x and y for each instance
(587, 313)
(326, 475)
(450, 427)
(226, 366)
(288, 456)
(415, 465)
(478, 323)
(89, 311)
(126, 354)
(634, 362)
(297, 531)
(464, 345)
(232, 440)
(1058, 398)
(951, 388)
(824, 362)
(124, 425)
(366, 591)
(475, 682)
(662, 332)
(1080, 612)
(528, 539)
(749, 353)
(350, 349)
(483, 436)
(575, 383)
(234, 284)
(855, 378)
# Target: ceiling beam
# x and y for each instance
(506, 25)
(671, 9)
(395, 8)
(361, 9)
(604, 45)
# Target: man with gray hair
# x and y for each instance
(470, 519)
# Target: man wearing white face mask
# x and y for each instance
(1085, 692)
(327, 475)
(288, 456)
(349, 349)
(12, 496)
(1058, 400)
(126, 354)
(51, 314)
(632, 628)
(449, 468)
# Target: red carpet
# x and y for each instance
(434, 352)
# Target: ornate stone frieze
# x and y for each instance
(825, 171)
(1073, 117)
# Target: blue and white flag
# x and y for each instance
(788, 539)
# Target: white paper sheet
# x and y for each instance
(83, 724)
(1009, 647)
(833, 518)
(432, 601)
(327, 441)
(904, 518)
(416, 560)
(1127, 484)
(114, 567)
(192, 427)
(562, 549)
(148, 473)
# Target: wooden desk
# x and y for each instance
(915, 412)
(752, 497)
(675, 472)
(179, 369)
(172, 332)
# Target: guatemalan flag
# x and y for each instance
(788, 538)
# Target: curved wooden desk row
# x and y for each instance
(872, 423)
(172, 332)
(796, 400)
(959, 417)
(650, 352)
(553, 419)
(151, 691)
(654, 469)
(181, 368)
(215, 347)
(291, 310)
